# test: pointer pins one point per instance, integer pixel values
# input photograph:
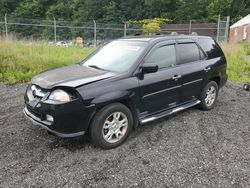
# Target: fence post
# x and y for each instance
(6, 26)
(55, 29)
(190, 27)
(227, 28)
(218, 29)
(125, 29)
(94, 33)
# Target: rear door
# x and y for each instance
(191, 67)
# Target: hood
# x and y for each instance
(71, 76)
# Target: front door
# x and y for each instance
(162, 89)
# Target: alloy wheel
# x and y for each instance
(210, 96)
(115, 127)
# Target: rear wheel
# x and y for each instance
(209, 96)
(111, 126)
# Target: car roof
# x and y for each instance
(158, 38)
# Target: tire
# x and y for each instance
(209, 96)
(111, 126)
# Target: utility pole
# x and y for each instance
(125, 29)
(94, 33)
(218, 29)
(6, 26)
(227, 28)
(190, 27)
(55, 29)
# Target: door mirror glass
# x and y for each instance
(149, 68)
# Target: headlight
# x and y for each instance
(59, 95)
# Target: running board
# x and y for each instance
(169, 112)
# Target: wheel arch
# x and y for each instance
(217, 79)
(126, 99)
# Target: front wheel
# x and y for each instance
(209, 96)
(111, 126)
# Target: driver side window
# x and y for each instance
(164, 57)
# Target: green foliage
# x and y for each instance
(8, 6)
(112, 13)
(61, 10)
(247, 49)
(150, 26)
(217, 7)
(120, 11)
(147, 21)
(19, 61)
(33, 8)
(115, 11)
(238, 62)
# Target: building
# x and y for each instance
(240, 31)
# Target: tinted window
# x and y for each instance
(210, 47)
(164, 57)
(188, 52)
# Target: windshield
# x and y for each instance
(117, 56)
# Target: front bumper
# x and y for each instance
(46, 124)
(70, 119)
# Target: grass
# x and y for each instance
(238, 62)
(20, 61)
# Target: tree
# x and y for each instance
(218, 7)
(112, 13)
(151, 26)
(60, 10)
(190, 9)
(82, 12)
(8, 6)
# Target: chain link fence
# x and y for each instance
(218, 31)
(222, 29)
(95, 33)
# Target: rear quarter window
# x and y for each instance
(210, 47)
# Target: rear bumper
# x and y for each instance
(46, 124)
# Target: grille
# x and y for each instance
(35, 113)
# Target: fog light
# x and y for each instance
(49, 118)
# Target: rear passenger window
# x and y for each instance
(163, 56)
(210, 47)
(188, 52)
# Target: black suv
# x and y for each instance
(125, 83)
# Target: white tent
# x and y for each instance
(243, 21)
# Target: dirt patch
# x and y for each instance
(191, 148)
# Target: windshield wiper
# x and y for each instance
(95, 67)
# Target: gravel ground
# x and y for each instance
(190, 149)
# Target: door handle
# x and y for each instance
(176, 77)
(207, 69)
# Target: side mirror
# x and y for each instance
(149, 68)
